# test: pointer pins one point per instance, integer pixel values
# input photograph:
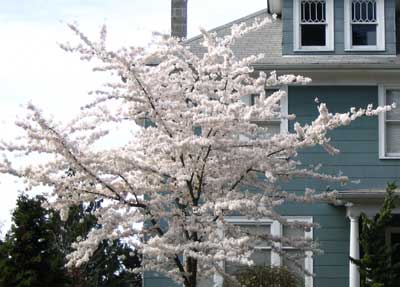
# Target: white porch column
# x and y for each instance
(354, 275)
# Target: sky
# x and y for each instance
(34, 69)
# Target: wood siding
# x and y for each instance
(358, 159)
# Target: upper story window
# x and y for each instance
(364, 25)
(389, 124)
(313, 25)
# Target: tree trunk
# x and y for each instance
(191, 267)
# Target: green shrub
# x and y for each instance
(265, 276)
(379, 265)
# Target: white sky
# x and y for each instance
(33, 67)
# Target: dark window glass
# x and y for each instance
(363, 34)
(395, 242)
(372, 11)
(364, 10)
(313, 11)
(356, 11)
(320, 12)
(313, 35)
(305, 12)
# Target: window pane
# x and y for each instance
(320, 11)
(356, 11)
(258, 230)
(364, 34)
(291, 231)
(206, 282)
(313, 35)
(393, 96)
(274, 128)
(295, 263)
(261, 257)
(371, 11)
(392, 137)
(268, 92)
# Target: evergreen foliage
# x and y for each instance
(28, 256)
(378, 266)
(266, 276)
(34, 250)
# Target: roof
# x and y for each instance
(363, 195)
(268, 41)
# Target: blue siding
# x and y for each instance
(358, 159)
(358, 142)
(390, 28)
(157, 281)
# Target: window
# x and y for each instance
(264, 255)
(313, 25)
(389, 124)
(393, 239)
(274, 126)
(364, 25)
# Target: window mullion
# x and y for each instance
(276, 230)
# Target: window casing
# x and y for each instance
(264, 254)
(313, 25)
(389, 124)
(364, 25)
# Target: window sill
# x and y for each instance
(314, 49)
(365, 49)
(396, 157)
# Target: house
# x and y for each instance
(350, 50)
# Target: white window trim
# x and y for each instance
(380, 29)
(277, 230)
(382, 120)
(309, 263)
(285, 111)
(330, 38)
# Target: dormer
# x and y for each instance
(339, 27)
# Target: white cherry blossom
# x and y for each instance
(190, 168)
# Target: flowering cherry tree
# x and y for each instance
(198, 161)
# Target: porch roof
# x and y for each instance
(362, 196)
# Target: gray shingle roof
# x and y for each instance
(268, 40)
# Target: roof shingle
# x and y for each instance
(268, 41)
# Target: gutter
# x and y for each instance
(325, 66)
(373, 196)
